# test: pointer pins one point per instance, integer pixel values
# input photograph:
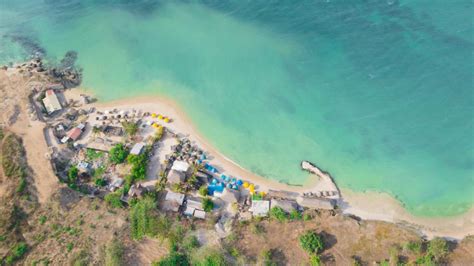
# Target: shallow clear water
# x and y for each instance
(379, 93)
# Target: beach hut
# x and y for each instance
(173, 201)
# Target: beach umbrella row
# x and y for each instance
(161, 117)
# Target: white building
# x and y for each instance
(51, 102)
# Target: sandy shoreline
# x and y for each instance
(367, 205)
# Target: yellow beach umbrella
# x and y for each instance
(262, 193)
(167, 120)
(153, 115)
(246, 184)
(160, 116)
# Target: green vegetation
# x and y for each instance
(311, 242)
(93, 155)
(203, 191)
(179, 187)
(143, 219)
(113, 199)
(69, 247)
(12, 155)
(265, 258)
(414, 246)
(118, 154)
(159, 134)
(307, 217)
(278, 214)
(139, 164)
(16, 253)
(212, 258)
(72, 174)
(42, 219)
(314, 260)
(131, 128)
(394, 256)
(437, 249)
(114, 253)
(173, 259)
(207, 204)
(190, 243)
(100, 182)
(295, 215)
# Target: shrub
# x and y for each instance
(278, 214)
(173, 259)
(16, 252)
(307, 217)
(265, 258)
(437, 249)
(118, 154)
(114, 253)
(12, 152)
(139, 165)
(414, 246)
(92, 155)
(207, 204)
(213, 258)
(69, 247)
(100, 182)
(113, 199)
(394, 256)
(311, 242)
(42, 219)
(314, 260)
(295, 215)
(176, 235)
(21, 185)
(72, 174)
(203, 191)
(190, 243)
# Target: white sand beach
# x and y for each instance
(367, 205)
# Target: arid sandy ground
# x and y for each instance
(14, 90)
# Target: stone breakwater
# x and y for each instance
(326, 187)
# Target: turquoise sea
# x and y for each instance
(378, 93)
